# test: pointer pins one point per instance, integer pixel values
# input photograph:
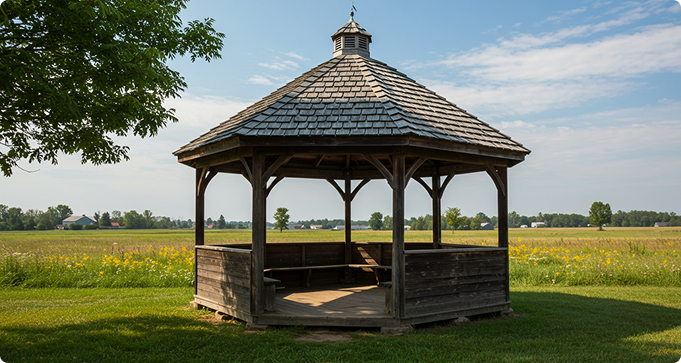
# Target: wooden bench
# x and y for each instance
(346, 265)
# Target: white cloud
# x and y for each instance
(563, 15)
(531, 73)
(280, 66)
(296, 56)
(257, 79)
(204, 111)
(516, 124)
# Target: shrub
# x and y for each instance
(76, 226)
(91, 226)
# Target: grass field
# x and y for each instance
(552, 324)
(567, 310)
(164, 258)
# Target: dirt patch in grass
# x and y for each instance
(324, 336)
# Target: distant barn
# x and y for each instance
(352, 118)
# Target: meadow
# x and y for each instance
(568, 307)
(164, 258)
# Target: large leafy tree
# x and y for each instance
(281, 218)
(454, 218)
(73, 74)
(376, 221)
(600, 214)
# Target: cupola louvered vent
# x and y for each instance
(349, 42)
(337, 45)
(362, 43)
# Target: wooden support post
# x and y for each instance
(398, 276)
(502, 201)
(348, 218)
(348, 227)
(437, 210)
(200, 206)
(258, 236)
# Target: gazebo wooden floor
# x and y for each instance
(334, 305)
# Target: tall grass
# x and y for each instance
(158, 258)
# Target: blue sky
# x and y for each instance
(591, 87)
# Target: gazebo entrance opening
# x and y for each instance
(352, 118)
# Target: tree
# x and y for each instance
(97, 216)
(281, 219)
(105, 220)
(59, 213)
(376, 221)
(600, 214)
(388, 223)
(74, 74)
(45, 221)
(454, 218)
(221, 222)
(14, 219)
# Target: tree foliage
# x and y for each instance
(281, 219)
(73, 74)
(376, 221)
(454, 218)
(600, 214)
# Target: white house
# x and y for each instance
(538, 224)
(352, 228)
(83, 220)
(315, 226)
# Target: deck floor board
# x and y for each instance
(339, 300)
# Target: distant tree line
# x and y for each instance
(15, 219)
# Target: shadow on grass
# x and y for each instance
(555, 327)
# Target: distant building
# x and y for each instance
(315, 226)
(82, 220)
(661, 224)
(352, 228)
(538, 224)
(407, 228)
(523, 226)
(211, 226)
(485, 226)
(115, 225)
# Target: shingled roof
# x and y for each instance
(352, 95)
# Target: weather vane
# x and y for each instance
(352, 10)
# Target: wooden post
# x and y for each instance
(348, 218)
(502, 201)
(200, 206)
(398, 236)
(437, 210)
(258, 236)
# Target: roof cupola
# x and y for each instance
(351, 38)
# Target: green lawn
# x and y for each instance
(618, 318)
(552, 324)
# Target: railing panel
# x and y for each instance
(440, 281)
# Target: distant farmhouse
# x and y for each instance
(538, 224)
(352, 228)
(486, 226)
(661, 224)
(82, 220)
(316, 226)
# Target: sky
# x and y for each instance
(593, 88)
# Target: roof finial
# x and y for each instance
(352, 10)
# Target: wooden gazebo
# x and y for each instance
(352, 118)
